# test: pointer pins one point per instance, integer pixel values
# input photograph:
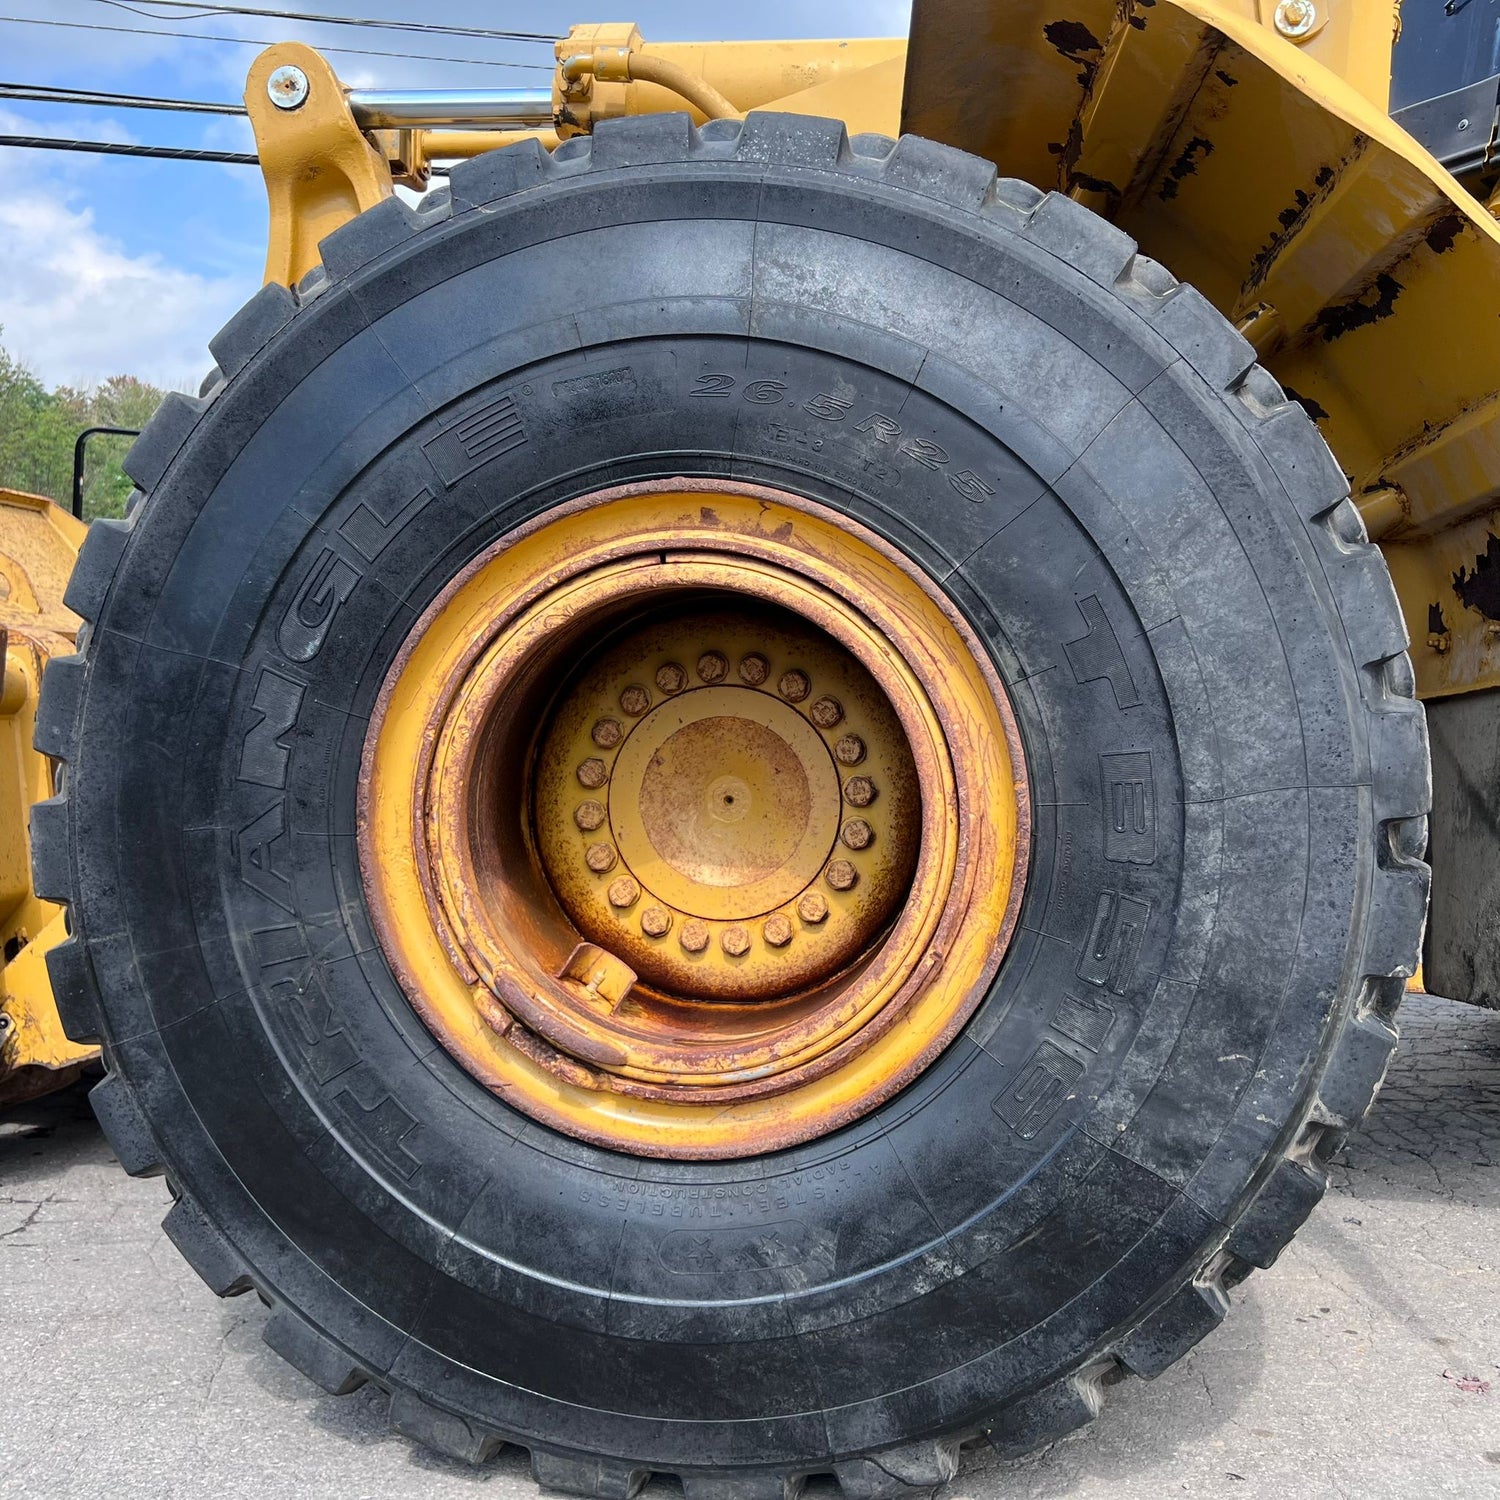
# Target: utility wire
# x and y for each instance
(160, 153)
(121, 148)
(244, 41)
(46, 94)
(200, 10)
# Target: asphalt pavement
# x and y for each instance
(1366, 1363)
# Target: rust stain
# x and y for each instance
(1479, 587)
(1374, 306)
(1196, 150)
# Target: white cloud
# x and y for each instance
(76, 308)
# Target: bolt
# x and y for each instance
(589, 815)
(671, 678)
(1463, 124)
(826, 712)
(850, 750)
(859, 791)
(735, 941)
(287, 87)
(656, 921)
(1296, 18)
(754, 669)
(777, 930)
(794, 686)
(593, 773)
(635, 700)
(840, 874)
(623, 892)
(713, 666)
(813, 907)
(857, 834)
(607, 733)
(694, 936)
(600, 857)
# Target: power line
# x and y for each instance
(250, 41)
(122, 148)
(432, 28)
(46, 94)
(159, 153)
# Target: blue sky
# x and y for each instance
(116, 265)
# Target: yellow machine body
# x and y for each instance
(38, 546)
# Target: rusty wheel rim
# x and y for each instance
(693, 820)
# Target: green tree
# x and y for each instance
(38, 428)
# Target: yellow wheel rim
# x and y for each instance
(692, 820)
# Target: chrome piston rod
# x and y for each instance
(406, 109)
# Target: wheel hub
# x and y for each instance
(690, 820)
(736, 828)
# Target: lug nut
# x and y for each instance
(713, 666)
(794, 686)
(694, 936)
(850, 750)
(671, 678)
(656, 921)
(857, 834)
(589, 815)
(840, 874)
(859, 791)
(607, 733)
(601, 857)
(777, 930)
(826, 712)
(754, 669)
(623, 892)
(593, 773)
(735, 941)
(635, 700)
(813, 907)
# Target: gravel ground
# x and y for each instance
(1365, 1364)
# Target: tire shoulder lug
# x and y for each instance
(51, 856)
(74, 990)
(206, 1250)
(124, 1126)
(1052, 1412)
(94, 571)
(304, 1348)
(162, 438)
(443, 1431)
(252, 328)
(593, 1478)
(728, 1484)
(1163, 1337)
(912, 1469)
(58, 706)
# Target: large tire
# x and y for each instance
(1166, 568)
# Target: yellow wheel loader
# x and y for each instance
(744, 799)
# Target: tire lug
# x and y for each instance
(600, 857)
(593, 773)
(840, 874)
